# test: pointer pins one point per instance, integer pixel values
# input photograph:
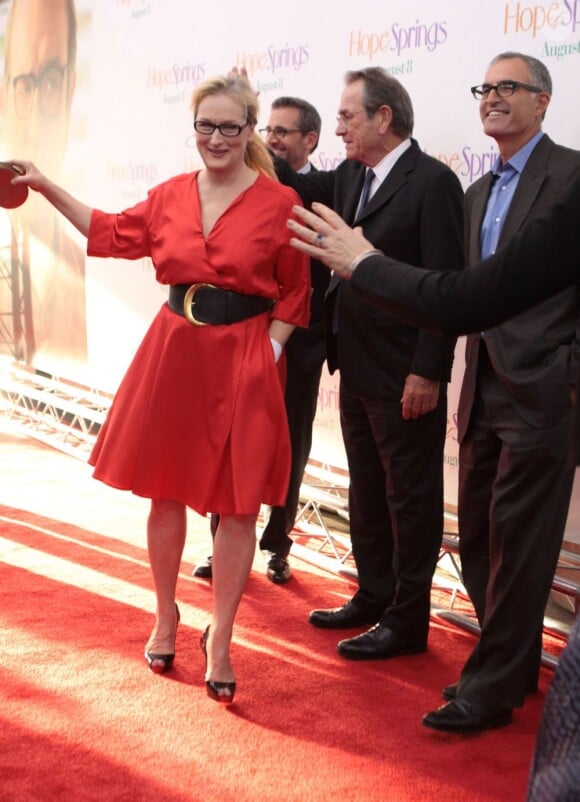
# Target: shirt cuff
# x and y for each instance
(361, 257)
(277, 348)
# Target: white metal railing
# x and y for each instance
(55, 411)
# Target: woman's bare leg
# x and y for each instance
(166, 529)
(233, 554)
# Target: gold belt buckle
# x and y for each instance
(189, 302)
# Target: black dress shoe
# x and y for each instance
(449, 692)
(460, 715)
(203, 570)
(380, 643)
(349, 615)
(278, 569)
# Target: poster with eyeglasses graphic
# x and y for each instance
(42, 291)
(97, 94)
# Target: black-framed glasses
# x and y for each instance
(207, 128)
(49, 83)
(279, 131)
(502, 89)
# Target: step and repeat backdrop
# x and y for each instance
(97, 94)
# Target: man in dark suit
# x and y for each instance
(292, 133)
(515, 415)
(392, 377)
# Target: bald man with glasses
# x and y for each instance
(515, 413)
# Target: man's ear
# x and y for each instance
(386, 116)
(311, 139)
(542, 102)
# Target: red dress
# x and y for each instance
(199, 416)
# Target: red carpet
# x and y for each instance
(83, 719)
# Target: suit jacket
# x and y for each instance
(307, 345)
(416, 217)
(535, 354)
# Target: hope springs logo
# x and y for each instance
(468, 164)
(273, 59)
(547, 18)
(398, 39)
(175, 75)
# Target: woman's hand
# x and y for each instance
(78, 213)
(28, 174)
(328, 238)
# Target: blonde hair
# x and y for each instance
(257, 155)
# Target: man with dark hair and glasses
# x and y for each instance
(515, 413)
(35, 102)
(393, 377)
(292, 134)
(293, 131)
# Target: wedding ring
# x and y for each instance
(319, 239)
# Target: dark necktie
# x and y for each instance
(364, 196)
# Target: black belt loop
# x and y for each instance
(206, 305)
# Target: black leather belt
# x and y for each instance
(206, 305)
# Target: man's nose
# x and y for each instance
(493, 97)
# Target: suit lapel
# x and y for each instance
(480, 196)
(352, 196)
(392, 183)
(354, 180)
(389, 187)
(529, 185)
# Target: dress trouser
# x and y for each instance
(515, 483)
(395, 507)
(301, 398)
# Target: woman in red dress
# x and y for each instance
(199, 417)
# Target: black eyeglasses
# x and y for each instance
(49, 83)
(502, 89)
(278, 131)
(207, 128)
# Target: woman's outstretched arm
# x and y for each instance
(79, 214)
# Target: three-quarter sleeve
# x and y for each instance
(124, 235)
